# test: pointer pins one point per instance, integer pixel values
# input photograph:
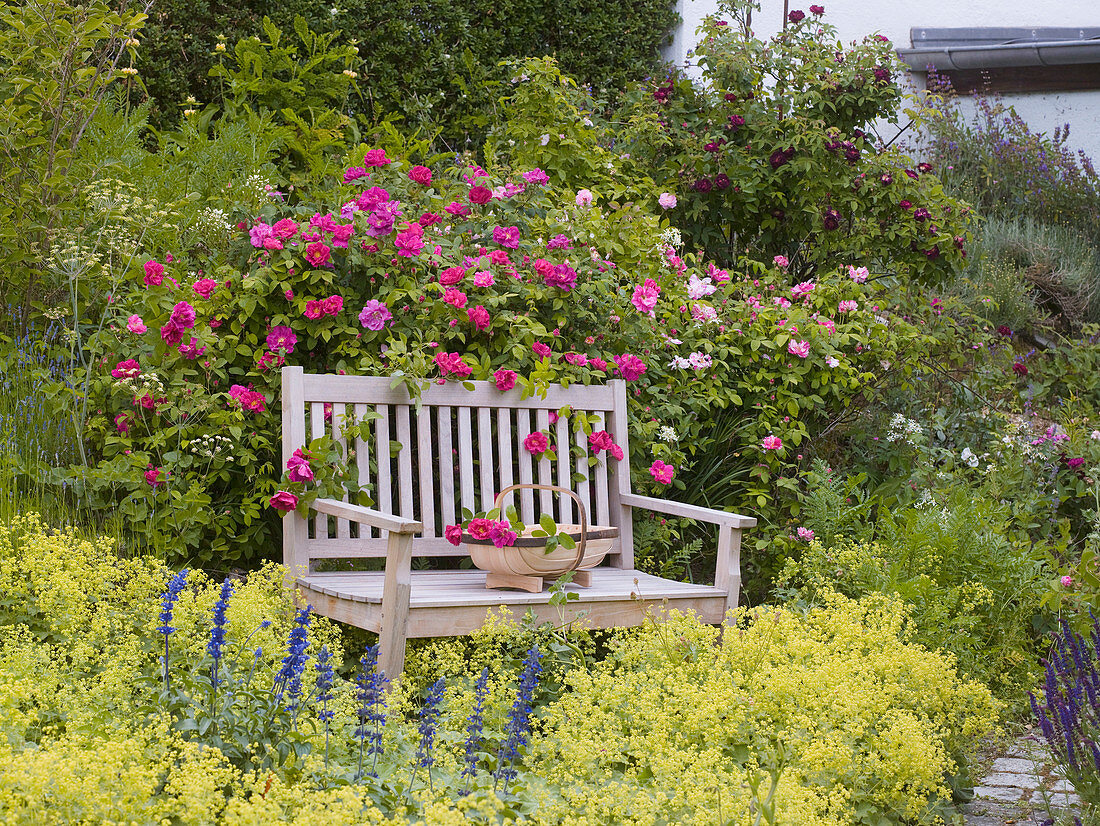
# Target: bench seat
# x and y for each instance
(456, 602)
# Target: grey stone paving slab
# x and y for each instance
(1018, 765)
(1003, 793)
(1019, 780)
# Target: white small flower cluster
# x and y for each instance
(72, 259)
(258, 185)
(215, 222)
(669, 238)
(210, 446)
(903, 429)
(969, 457)
(667, 434)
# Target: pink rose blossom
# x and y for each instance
(616, 452)
(483, 278)
(536, 176)
(259, 233)
(584, 198)
(645, 297)
(281, 338)
(314, 309)
(375, 315)
(452, 364)
(183, 315)
(318, 254)
(191, 350)
(805, 288)
(332, 305)
(540, 349)
(771, 443)
(285, 228)
(859, 275)
(798, 348)
(536, 443)
(135, 325)
(421, 175)
(661, 472)
(847, 306)
(502, 534)
(154, 273)
(204, 287)
(781, 262)
(1067, 582)
(298, 467)
(667, 200)
(456, 298)
(376, 157)
(283, 501)
(127, 369)
(479, 316)
(563, 277)
(452, 275)
(152, 477)
(505, 380)
(630, 367)
(506, 237)
(453, 534)
(805, 534)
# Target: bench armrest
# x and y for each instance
(714, 517)
(367, 516)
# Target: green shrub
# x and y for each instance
(447, 81)
(972, 590)
(774, 153)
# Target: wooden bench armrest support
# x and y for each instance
(367, 516)
(727, 571)
(714, 517)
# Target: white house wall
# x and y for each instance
(894, 18)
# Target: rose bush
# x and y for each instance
(452, 274)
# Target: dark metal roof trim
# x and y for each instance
(996, 47)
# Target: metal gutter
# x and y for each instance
(971, 48)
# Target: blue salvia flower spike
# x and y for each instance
(372, 708)
(474, 728)
(519, 718)
(324, 692)
(288, 681)
(168, 602)
(216, 645)
(429, 722)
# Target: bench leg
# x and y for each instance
(727, 576)
(395, 605)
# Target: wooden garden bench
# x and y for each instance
(456, 451)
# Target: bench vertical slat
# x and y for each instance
(317, 430)
(295, 529)
(546, 477)
(424, 457)
(504, 446)
(564, 443)
(523, 461)
(582, 486)
(362, 457)
(382, 457)
(485, 457)
(619, 481)
(338, 410)
(404, 463)
(603, 509)
(466, 460)
(446, 467)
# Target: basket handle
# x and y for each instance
(580, 506)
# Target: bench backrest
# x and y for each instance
(457, 451)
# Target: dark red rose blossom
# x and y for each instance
(730, 96)
(702, 185)
(924, 167)
(818, 10)
(796, 15)
(480, 195)
(1019, 368)
(1004, 331)
(736, 122)
(722, 180)
(1075, 462)
(920, 214)
(886, 178)
(881, 75)
(831, 219)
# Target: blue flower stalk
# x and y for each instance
(519, 719)
(324, 692)
(429, 723)
(216, 646)
(168, 602)
(372, 709)
(474, 729)
(288, 681)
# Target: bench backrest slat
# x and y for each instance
(456, 451)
